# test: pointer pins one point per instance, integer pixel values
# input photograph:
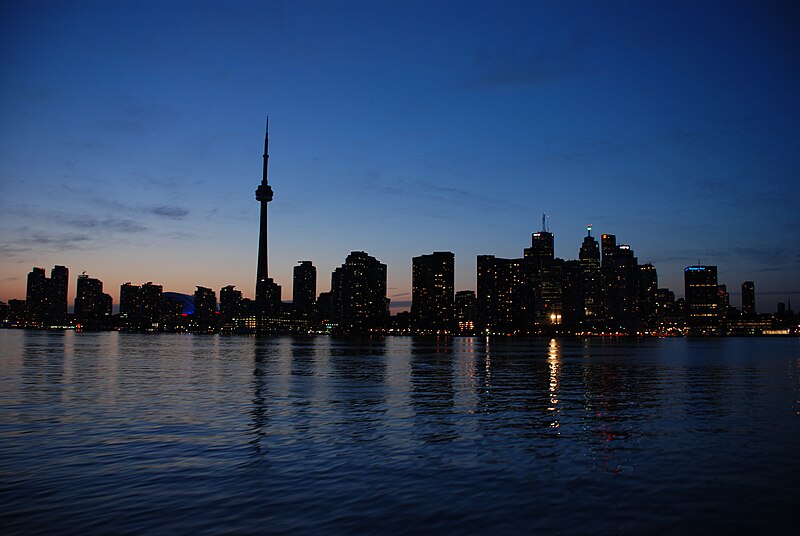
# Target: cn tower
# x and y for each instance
(263, 196)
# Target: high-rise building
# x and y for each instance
(590, 263)
(47, 298)
(149, 315)
(465, 312)
(92, 305)
(702, 299)
(748, 298)
(205, 310)
(37, 298)
(573, 310)
(620, 273)
(648, 289)
(542, 295)
(59, 285)
(432, 287)
(304, 288)
(503, 297)
(358, 294)
(268, 295)
(231, 309)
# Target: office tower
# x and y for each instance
(573, 311)
(149, 315)
(268, 296)
(304, 288)
(465, 308)
(358, 292)
(620, 274)
(590, 263)
(666, 313)
(648, 288)
(432, 287)
(748, 298)
(502, 298)
(702, 299)
(543, 278)
(92, 305)
(205, 310)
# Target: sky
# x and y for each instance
(131, 136)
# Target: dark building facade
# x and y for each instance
(503, 295)
(702, 299)
(590, 262)
(465, 307)
(46, 298)
(92, 305)
(204, 319)
(432, 288)
(748, 298)
(358, 294)
(304, 288)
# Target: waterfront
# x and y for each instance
(123, 433)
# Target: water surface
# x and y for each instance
(123, 433)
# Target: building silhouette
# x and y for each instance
(647, 290)
(748, 298)
(304, 289)
(358, 294)
(503, 295)
(46, 298)
(702, 299)
(432, 287)
(204, 319)
(268, 294)
(231, 309)
(92, 305)
(465, 312)
(590, 263)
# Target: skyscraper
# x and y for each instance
(304, 288)
(92, 305)
(205, 310)
(702, 299)
(47, 298)
(748, 298)
(590, 263)
(503, 295)
(267, 292)
(432, 292)
(358, 294)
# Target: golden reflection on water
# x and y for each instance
(554, 363)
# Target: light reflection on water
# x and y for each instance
(112, 432)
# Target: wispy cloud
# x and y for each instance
(168, 211)
(425, 190)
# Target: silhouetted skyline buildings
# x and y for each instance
(604, 291)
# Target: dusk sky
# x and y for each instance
(131, 136)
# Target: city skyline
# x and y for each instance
(132, 164)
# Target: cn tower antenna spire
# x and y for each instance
(266, 152)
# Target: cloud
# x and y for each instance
(83, 221)
(425, 190)
(168, 211)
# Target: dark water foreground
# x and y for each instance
(116, 433)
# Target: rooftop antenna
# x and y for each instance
(545, 225)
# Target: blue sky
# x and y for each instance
(131, 136)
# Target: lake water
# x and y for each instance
(122, 433)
